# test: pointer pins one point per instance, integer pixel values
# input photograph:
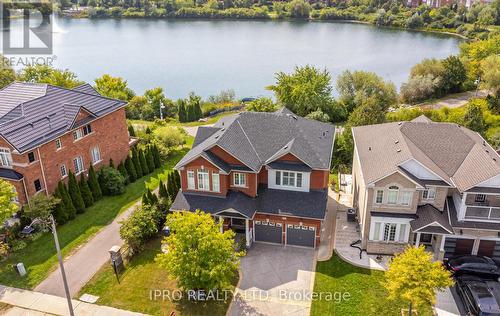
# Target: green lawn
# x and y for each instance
(365, 287)
(143, 275)
(39, 257)
(142, 124)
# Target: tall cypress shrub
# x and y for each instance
(131, 130)
(60, 214)
(85, 191)
(93, 183)
(137, 163)
(68, 203)
(129, 165)
(182, 111)
(149, 158)
(156, 156)
(162, 190)
(144, 164)
(74, 192)
(123, 171)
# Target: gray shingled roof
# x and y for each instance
(280, 202)
(429, 216)
(47, 116)
(257, 138)
(457, 155)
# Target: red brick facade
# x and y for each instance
(109, 134)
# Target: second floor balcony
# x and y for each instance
(482, 207)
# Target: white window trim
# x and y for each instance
(401, 193)
(428, 198)
(376, 195)
(8, 156)
(95, 162)
(241, 175)
(385, 196)
(215, 175)
(58, 140)
(191, 185)
(389, 220)
(273, 174)
(203, 172)
(83, 166)
(389, 191)
(65, 170)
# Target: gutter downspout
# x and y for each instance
(26, 192)
(43, 172)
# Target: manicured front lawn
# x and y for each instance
(143, 275)
(367, 295)
(39, 257)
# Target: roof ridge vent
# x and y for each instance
(222, 129)
(398, 150)
(400, 123)
(396, 141)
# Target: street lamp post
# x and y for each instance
(161, 111)
(477, 81)
(52, 228)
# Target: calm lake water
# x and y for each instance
(210, 56)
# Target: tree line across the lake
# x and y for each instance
(475, 21)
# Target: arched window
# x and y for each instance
(392, 195)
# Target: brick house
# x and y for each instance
(263, 174)
(426, 183)
(46, 131)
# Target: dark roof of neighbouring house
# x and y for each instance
(429, 219)
(280, 202)
(32, 114)
(257, 138)
(451, 212)
(282, 165)
(454, 153)
(86, 88)
(11, 174)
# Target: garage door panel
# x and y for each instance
(486, 248)
(464, 246)
(268, 233)
(301, 236)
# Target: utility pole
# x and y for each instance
(161, 111)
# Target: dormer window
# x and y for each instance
(77, 134)
(87, 129)
(289, 179)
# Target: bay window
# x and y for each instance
(387, 230)
(203, 181)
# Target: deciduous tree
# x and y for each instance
(199, 256)
(7, 197)
(114, 87)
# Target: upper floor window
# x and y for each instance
(203, 181)
(429, 194)
(77, 134)
(190, 179)
(96, 155)
(5, 157)
(289, 179)
(215, 182)
(480, 198)
(78, 164)
(64, 171)
(58, 144)
(31, 157)
(379, 197)
(405, 198)
(239, 179)
(392, 195)
(87, 129)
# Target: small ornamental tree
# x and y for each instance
(137, 163)
(87, 197)
(121, 168)
(41, 206)
(199, 256)
(140, 226)
(7, 196)
(67, 201)
(144, 164)
(74, 192)
(182, 111)
(129, 165)
(93, 183)
(473, 117)
(414, 277)
(149, 159)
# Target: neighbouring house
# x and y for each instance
(264, 174)
(426, 183)
(47, 131)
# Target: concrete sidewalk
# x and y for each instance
(26, 302)
(81, 266)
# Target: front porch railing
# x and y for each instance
(482, 212)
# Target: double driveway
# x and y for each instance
(275, 280)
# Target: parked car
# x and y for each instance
(479, 265)
(480, 297)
